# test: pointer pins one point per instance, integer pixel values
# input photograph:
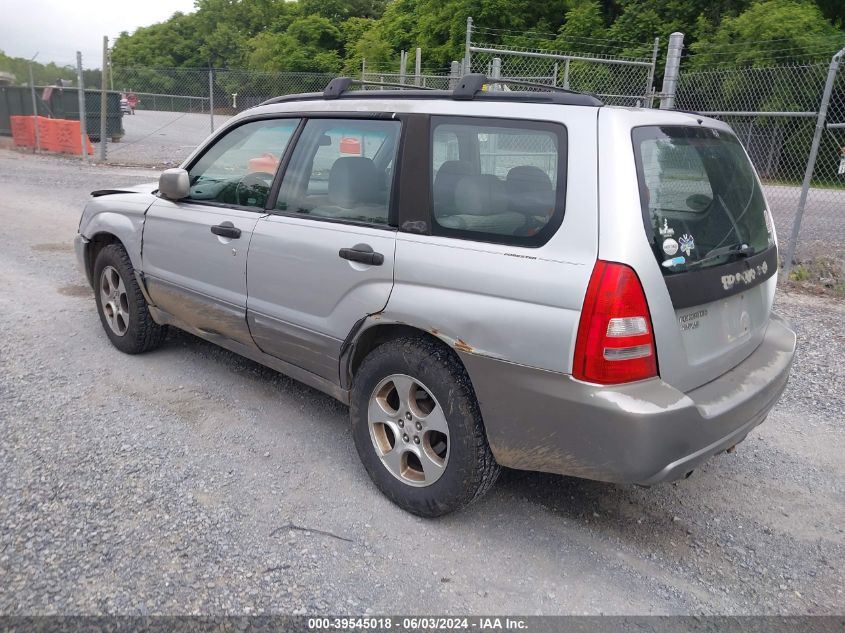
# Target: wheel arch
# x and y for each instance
(375, 330)
(97, 243)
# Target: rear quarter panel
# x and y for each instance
(513, 303)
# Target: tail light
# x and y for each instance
(615, 341)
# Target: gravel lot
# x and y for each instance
(189, 480)
(160, 138)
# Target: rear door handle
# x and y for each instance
(226, 229)
(362, 253)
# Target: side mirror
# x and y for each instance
(174, 184)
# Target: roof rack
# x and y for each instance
(468, 87)
(339, 85)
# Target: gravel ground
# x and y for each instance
(189, 480)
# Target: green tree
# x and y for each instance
(767, 31)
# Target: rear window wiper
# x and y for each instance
(737, 250)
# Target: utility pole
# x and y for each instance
(34, 106)
(103, 102)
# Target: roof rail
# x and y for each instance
(469, 87)
(339, 85)
(472, 84)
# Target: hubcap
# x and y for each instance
(409, 430)
(114, 300)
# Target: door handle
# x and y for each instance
(362, 253)
(227, 229)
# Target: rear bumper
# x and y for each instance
(645, 432)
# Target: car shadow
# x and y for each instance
(625, 511)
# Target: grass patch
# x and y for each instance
(819, 275)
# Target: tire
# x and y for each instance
(121, 305)
(443, 472)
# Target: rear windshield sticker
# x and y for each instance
(687, 244)
(666, 230)
(675, 261)
(670, 246)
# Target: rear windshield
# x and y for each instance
(701, 202)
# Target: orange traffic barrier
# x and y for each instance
(54, 135)
(266, 163)
(350, 146)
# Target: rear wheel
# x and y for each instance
(121, 304)
(418, 429)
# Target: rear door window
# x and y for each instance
(701, 201)
(498, 180)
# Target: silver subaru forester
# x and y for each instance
(488, 276)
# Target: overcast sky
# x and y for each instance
(56, 29)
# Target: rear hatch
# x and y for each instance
(706, 219)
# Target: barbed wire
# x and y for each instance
(513, 33)
(517, 50)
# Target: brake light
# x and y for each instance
(615, 341)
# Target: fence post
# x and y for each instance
(649, 89)
(454, 74)
(496, 73)
(670, 74)
(403, 61)
(211, 97)
(554, 74)
(103, 102)
(363, 69)
(34, 108)
(83, 126)
(566, 74)
(418, 67)
(811, 161)
(467, 44)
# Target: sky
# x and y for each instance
(56, 29)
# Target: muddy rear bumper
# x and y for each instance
(645, 432)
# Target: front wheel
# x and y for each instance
(121, 304)
(418, 429)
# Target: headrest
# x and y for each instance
(353, 180)
(528, 179)
(481, 195)
(445, 181)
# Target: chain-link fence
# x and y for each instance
(166, 112)
(789, 116)
(776, 112)
(621, 76)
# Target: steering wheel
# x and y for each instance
(250, 184)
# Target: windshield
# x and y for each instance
(701, 202)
